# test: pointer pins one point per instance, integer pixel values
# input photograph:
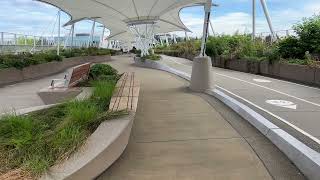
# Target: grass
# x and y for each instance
(37, 141)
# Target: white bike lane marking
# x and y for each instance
(282, 103)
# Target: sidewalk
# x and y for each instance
(24, 95)
(179, 135)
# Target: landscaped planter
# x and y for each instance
(270, 69)
(99, 152)
(12, 75)
(238, 65)
(297, 73)
(254, 67)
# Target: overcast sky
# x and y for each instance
(35, 18)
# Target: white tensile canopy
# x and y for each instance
(142, 18)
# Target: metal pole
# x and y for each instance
(253, 19)
(207, 9)
(34, 43)
(266, 12)
(174, 38)
(167, 40)
(2, 38)
(102, 35)
(211, 27)
(15, 39)
(58, 47)
(92, 31)
(186, 34)
(25, 40)
(72, 34)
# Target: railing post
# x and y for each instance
(2, 38)
(34, 42)
(15, 39)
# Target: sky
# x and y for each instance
(36, 18)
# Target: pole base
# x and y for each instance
(201, 77)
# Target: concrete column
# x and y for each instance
(201, 77)
(266, 13)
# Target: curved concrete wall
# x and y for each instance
(12, 75)
(99, 152)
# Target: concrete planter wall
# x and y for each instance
(298, 73)
(317, 76)
(99, 152)
(239, 65)
(12, 75)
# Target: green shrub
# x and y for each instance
(100, 71)
(152, 57)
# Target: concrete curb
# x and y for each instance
(305, 158)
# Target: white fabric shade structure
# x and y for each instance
(129, 20)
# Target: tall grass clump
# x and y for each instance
(102, 93)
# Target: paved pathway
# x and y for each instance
(24, 95)
(179, 135)
(299, 117)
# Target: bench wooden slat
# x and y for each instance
(126, 94)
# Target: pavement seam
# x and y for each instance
(185, 140)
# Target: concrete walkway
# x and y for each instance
(179, 135)
(24, 95)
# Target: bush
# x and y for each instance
(290, 48)
(308, 32)
(152, 57)
(103, 71)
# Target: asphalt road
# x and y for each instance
(293, 107)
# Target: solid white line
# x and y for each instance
(278, 117)
(269, 89)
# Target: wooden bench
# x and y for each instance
(125, 97)
(78, 74)
(61, 90)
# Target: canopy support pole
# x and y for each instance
(92, 33)
(72, 34)
(266, 13)
(102, 35)
(253, 19)
(207, 9)
(201, 77)
(167, 40)
(59, 21)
